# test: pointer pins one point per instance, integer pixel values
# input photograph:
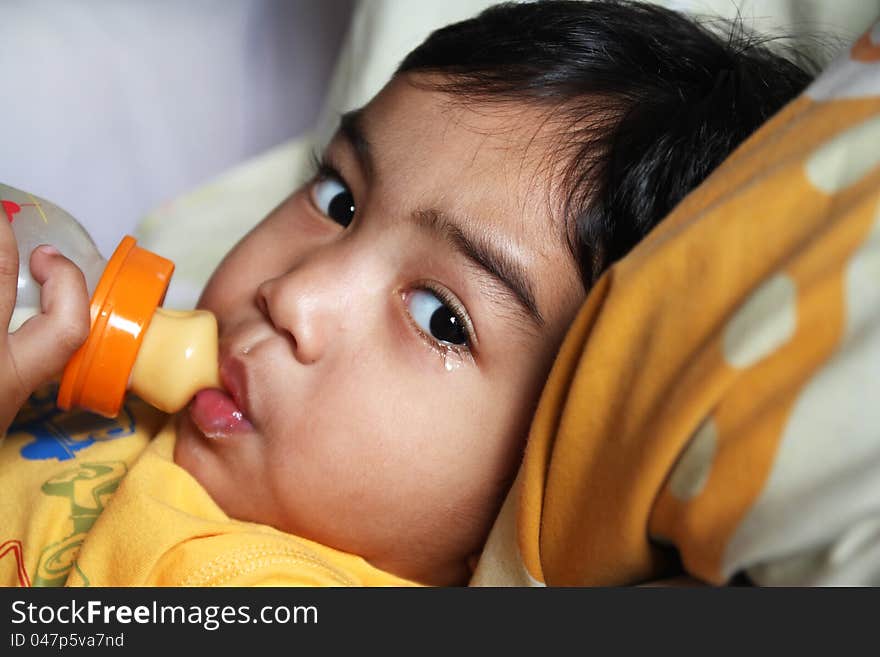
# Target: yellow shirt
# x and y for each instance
(94, 502)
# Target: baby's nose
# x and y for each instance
(298, 314)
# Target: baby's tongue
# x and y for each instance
(216, 415)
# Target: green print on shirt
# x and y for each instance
(87, 487)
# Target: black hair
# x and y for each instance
(651, 100)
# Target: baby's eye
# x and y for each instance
(436, 318)
(334, 199)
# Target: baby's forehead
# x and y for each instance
(504, 154)
(528, 134)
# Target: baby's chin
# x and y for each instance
(210, 461)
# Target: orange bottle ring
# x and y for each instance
(131, 287)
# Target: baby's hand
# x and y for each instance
(41, 347)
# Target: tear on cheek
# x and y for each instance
(452, 360)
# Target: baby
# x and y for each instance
(386, 331)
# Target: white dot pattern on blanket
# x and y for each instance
(692, 470)
(846, 159)
(765, 322)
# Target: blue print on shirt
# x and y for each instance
(60, 434)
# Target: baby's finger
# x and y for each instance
(8, 270)
(44, 343)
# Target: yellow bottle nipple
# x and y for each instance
(177, 358)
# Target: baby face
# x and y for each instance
(385, 334)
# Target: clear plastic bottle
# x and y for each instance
(163, 356)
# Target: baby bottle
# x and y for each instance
(163, 356)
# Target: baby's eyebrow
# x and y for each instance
(350, 127)
(508, 272)
(505, 270)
